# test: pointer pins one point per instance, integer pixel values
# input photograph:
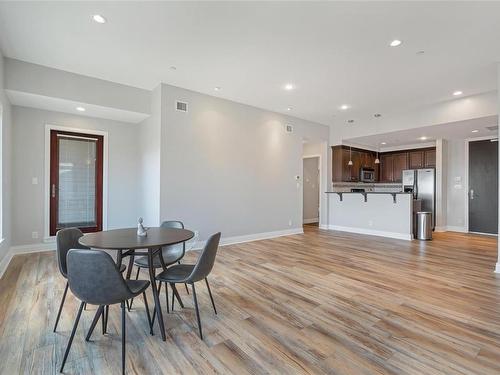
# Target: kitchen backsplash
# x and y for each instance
(374, 187)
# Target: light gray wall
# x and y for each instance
(149, 136)
(230, 167)
(28, 162)
(6, 152)
(456, 190)
(41, 80)
(311, 188)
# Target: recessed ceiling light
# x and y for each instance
(423, 138)
(173, 68)
(457, 93)
(289, 86)
(475, 131)
(98, 18)
(289, 108)
(217, 88)
(350, 121)
(395, 43)
(420, 52)
(377, 115)
(81, 109)
(344, 107)
(383, 143)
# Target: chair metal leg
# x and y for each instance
(176, 293)
(85, 306)
(97, 315)
(75, 326)
(106, 315)
(150, 322)
(173, 298)
(197, 310)
(123, 337)
(166, 298)
(61, 305)
(137, 278)
(210, 294)
(154, 310)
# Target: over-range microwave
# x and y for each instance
(367, 175)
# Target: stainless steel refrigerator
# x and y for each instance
(422, 183)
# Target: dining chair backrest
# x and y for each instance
(180, 248)
(94, 278)
(67, 239)
(206, 259)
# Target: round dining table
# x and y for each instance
(127, 243)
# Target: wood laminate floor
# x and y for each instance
(320, 303)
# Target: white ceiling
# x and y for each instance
(411, 137)
(335, 53)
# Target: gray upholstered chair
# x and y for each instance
(93, 278)
(68, 239)
(171, 254)
(191, 273)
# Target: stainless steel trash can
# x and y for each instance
(424, 225)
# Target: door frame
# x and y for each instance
(466, 178)
(46, 215)
(320, 184)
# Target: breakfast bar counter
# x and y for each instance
(386, 214)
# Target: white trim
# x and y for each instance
(25, 249)
(251, 237)
(497, 268)
(46, 211)
(320, 183)
(440, 229)
(466, 177)
(371, 232)
(310, 221)
(485, 234)
(323, 226)
(451, 228)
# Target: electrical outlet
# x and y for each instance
(370, 223)
(290, 223)
(34, 235)
(34, 180)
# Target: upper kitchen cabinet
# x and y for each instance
(341, 171)
(386, 168)
(430, 158)
(416, 159)
(400, 163)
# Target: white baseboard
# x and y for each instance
(323, 226)
(372, 232)
(440, 229)
(252, 237)
(47, 246)
(25, 249)
(497, 268)
(310, 221)
(452, 228)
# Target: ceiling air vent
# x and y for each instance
(289, 128)
(492, 128)
(181, 106)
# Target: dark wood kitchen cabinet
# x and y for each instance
(342, 172)
(416, 159)
(400, 163)
(430, 158)
(386, 168)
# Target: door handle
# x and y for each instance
(53, 190)
(471, 194)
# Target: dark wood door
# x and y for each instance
(76, 181)
(483, 187)
(400, 164)
(416, 159)
(386, 168)
(430, 158)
